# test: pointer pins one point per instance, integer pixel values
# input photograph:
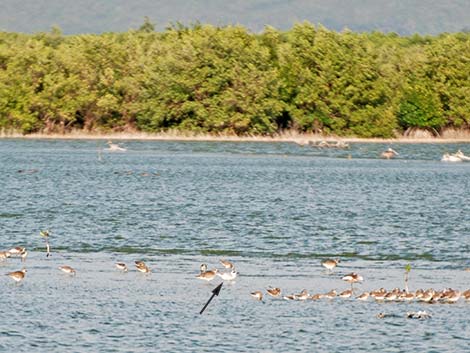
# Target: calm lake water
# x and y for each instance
(275, 209)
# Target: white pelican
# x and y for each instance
(389, 153)
(462, 156)
(450, 158)
(115, 147)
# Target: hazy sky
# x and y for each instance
(96, 16)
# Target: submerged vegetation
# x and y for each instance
(207, 79)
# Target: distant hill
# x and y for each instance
(94, 16)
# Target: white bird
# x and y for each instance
(115, 147)
(228, 276)
(389, 153)
(462, 156)
(450, 158)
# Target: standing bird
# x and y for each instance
(228, 276)
(346, 294)
(257, 295)
(274, 292)
(23, 255)
(67, 269)
(4, 255)
(364, 296)
(121, 266)
(17, 276)
(142, 267)
(353, 278)
(208, 275)
(202, 268)
(330, 264)
(227, 264)
(16, 251)
(303, 295)
(45, 234)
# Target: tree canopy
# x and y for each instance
(203, 78)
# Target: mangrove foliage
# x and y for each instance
(229, 80)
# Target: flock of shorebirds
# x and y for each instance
(21, 252)
(430, 295)
(395, 295)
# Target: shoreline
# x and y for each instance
(300, 139)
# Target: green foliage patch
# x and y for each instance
(228, 80)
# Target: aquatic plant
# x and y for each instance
(407, 273)
(45, 234)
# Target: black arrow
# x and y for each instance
(215, 292)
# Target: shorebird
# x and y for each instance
(4, 255)
(121, 266)
(23, 255)
(202, 268)
(316, 296)
(407, 297)
(364, 296)
(330, 264)
(331, 294)
(208, 275)
(346, 294)
(67, 269)
(257, 295)
(227, 264)
(303, 295)
(466, 294)
(419, 293)
(17, 275)
(16, 251)
(274, 292)
(142, 267)
(353, 278)
(418, 315)
(390, 296)
(289, 297)
(453, 296)
(380, 296)
(228, 276)
(389, 153)
(427, 296)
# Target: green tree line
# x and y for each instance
(202, 78)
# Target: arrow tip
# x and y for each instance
(217, 289)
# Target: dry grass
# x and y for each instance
(449, 136)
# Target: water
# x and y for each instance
(275, 209)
